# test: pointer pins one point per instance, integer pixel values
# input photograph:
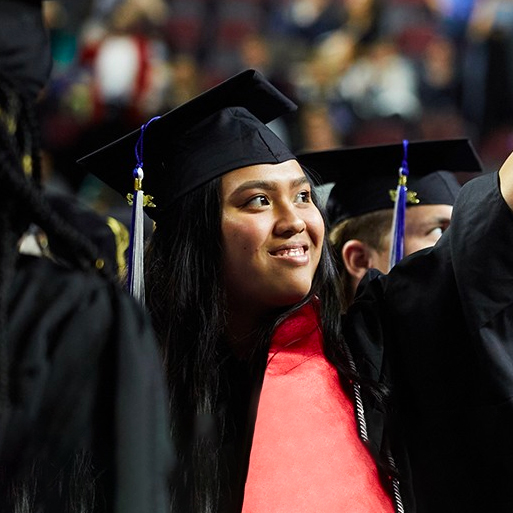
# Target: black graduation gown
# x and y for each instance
(85, 374)
(439, 330)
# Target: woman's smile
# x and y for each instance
(295, 253)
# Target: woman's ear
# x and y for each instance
(357, 258)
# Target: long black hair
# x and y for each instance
(23, 203)
(186, 299)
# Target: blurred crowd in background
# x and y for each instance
(361, 71)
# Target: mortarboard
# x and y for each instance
(220, 130)
(371, 178)
(364, 176)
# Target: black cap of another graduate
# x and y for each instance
(216, 132)
(365, 178)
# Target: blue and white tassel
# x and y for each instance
(135, 274)
(397, 235)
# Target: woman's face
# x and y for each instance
(272, 235)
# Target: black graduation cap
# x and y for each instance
(216, 132)
(365, 178)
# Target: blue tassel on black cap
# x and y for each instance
(397, 237)
(135, 278)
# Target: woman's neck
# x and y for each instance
(246, 326)
(242, 332)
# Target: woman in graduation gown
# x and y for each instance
(270, 408)
(83, 420)
(238, 279)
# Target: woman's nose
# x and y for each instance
(289, 222)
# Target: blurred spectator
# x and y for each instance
(454, 16)
(306, 20)
(184, 81)
(124, 60)
(263, 53)
(318, 128)
(440, 90)
(439, 75)
(363, 19)
(316, 83)
(317, 78)
(382, 83)
(63, 34)
(488, 70)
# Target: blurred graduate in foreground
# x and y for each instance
(83, 423)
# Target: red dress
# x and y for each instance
(306, 454)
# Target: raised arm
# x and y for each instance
(438, 330)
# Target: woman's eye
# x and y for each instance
(304, 197)
(257, 201)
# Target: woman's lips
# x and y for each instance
(295, 253)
